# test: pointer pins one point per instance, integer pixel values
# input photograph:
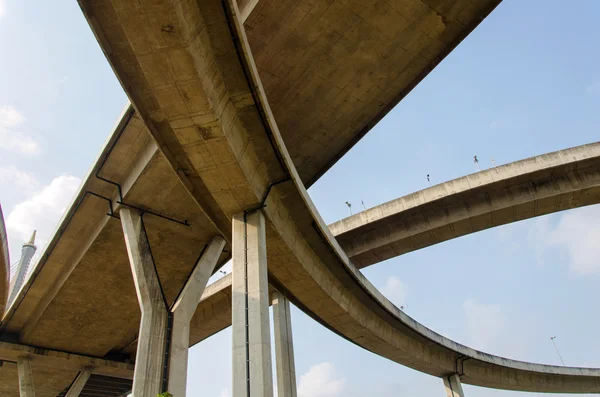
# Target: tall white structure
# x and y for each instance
(22, 268)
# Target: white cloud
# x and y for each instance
(395, 290)
(578, 232)
(22, 181)
(2, 8)
(321, 380)
(40, 212)
(576, 235)
(11, 139)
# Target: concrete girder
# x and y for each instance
(306, 258)
(284, 346)
(26, 387)
(82, 249)
(148, 373)
(65, 361)
(245, 7)
(252, 373)
(26, 323)
(182, 312)
(79, 383)
(453, 386)
(524, 189)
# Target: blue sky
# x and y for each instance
(525, 82)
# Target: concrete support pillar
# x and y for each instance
(453, 386)
(149, 363)
(284, 346)
(182, 313)
(79, 383)
(26, 388)
(252, 373)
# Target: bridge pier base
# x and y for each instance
(79, 383)
(453, 386)
(252, 373)
(182, 313)
(150, 358)
(284, 346)
(26, 388)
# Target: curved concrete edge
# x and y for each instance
(521, 190)
(4, 266)
(63, 223)
(503, 173)
(332, 247)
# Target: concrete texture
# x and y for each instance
(4, 266)
(453, 386)
(79, 383)
(205, 144)
(65, 362)
(251, 362)
(148, 374)
(26, 386)
(284, 346)
(509, 193)
(182, 312)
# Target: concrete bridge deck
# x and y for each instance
(217, 133)
(537, 186)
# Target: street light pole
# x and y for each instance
(556, 347)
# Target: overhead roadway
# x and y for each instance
(536, 186)
(226, 134)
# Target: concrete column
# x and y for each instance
(79, 383)
(284, 346)
(26, 388)
(183, 311)
(252, 373)
(148, 373)
(453, 386)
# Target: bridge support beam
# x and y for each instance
(79, 383)
(182, 313)
(149, 365)
(252, 373)
(26, 388)
(453, 386)
(284, 346)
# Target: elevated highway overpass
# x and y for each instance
(537, 186)
(222, 145)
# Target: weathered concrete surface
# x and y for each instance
(453, 386)
(251, 334)
(509, 193)
(284, 346)
(219, 152)
(65, 362)
(182, 312)
(79, 383)
(332, 69)
(4, 266)
(148, 374)
(26, 386)
(191, 81)
(554, 182)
